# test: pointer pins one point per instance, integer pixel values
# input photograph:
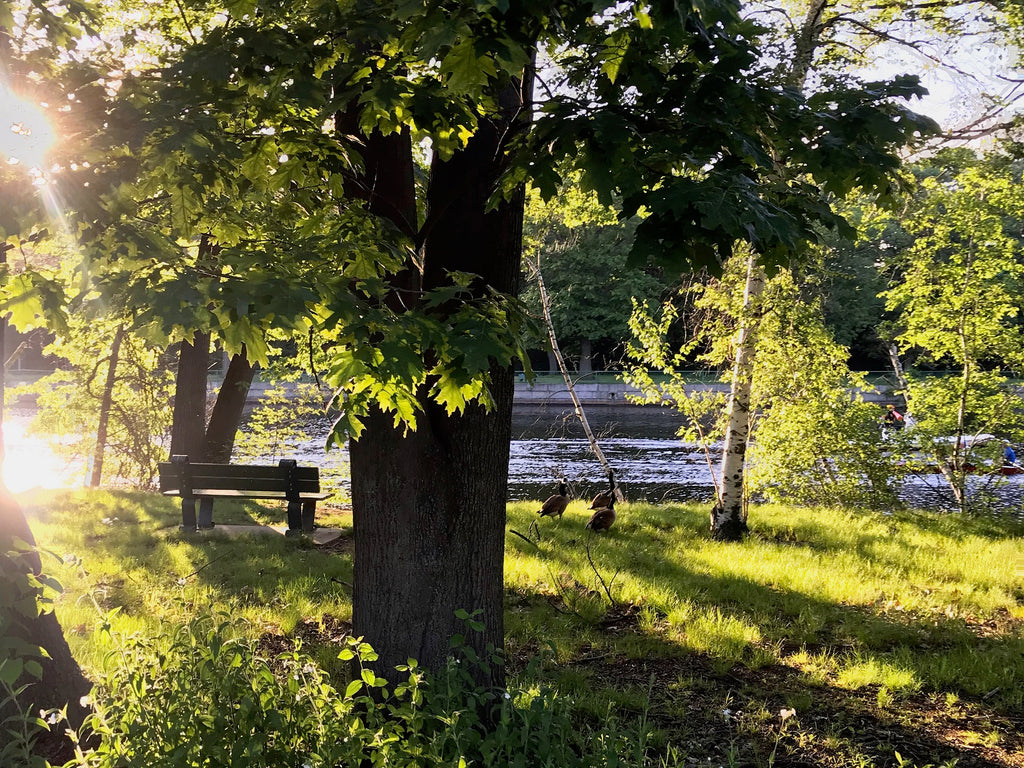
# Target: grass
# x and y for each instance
(885, 633)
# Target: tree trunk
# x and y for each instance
(188, 429)
(429, 506)
(228, 408)
(552, 362)
(105, 404)
(586, 357)
(62, 682)
(805, 43)
(728, 518)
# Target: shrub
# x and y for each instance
(203, 694)
(26, 596)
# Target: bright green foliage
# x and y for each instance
(213, 188)
(203, 693)
(69, 399)
(816, 440)
(960, 284)
(583, 250)
(25, 597)
(958, 303)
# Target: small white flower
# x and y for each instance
(785, 714)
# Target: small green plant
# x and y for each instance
(26, 596)
(203, 693)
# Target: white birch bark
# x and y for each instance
(728, 518)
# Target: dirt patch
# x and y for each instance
(327, 631)
(341, 545)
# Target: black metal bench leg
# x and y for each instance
(294, 518)
(188, 515)
(205, 513)
(308, 513)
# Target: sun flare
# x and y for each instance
(26, 135)
(31, 463)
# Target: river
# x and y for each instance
(548, 442)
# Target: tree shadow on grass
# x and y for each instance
(978, 659)
(131, 549)
(710, 708)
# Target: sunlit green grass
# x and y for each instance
(122, 552)
(855, 599)
(905, 603)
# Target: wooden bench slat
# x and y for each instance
(242, 494)
(236, 471)
(243, 484)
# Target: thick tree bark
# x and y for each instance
(429, 506)
(62, 682)
(106, 403)
(188, 429)
(228, 408)
(728, 518)
(806, 40)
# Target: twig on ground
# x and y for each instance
(600, 578)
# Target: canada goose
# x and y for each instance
(555, 505)
(603, 518)
(601, 500)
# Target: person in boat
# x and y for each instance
(893, 418)
(1009, 455)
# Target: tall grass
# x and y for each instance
(123, 553)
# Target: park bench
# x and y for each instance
(299, 486)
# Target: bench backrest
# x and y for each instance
(179, 475)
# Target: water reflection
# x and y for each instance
(651, 463)
(548, 443)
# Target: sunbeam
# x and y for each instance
(26, 136)
(31, 462)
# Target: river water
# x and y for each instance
(548, 443)
(651, 463)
